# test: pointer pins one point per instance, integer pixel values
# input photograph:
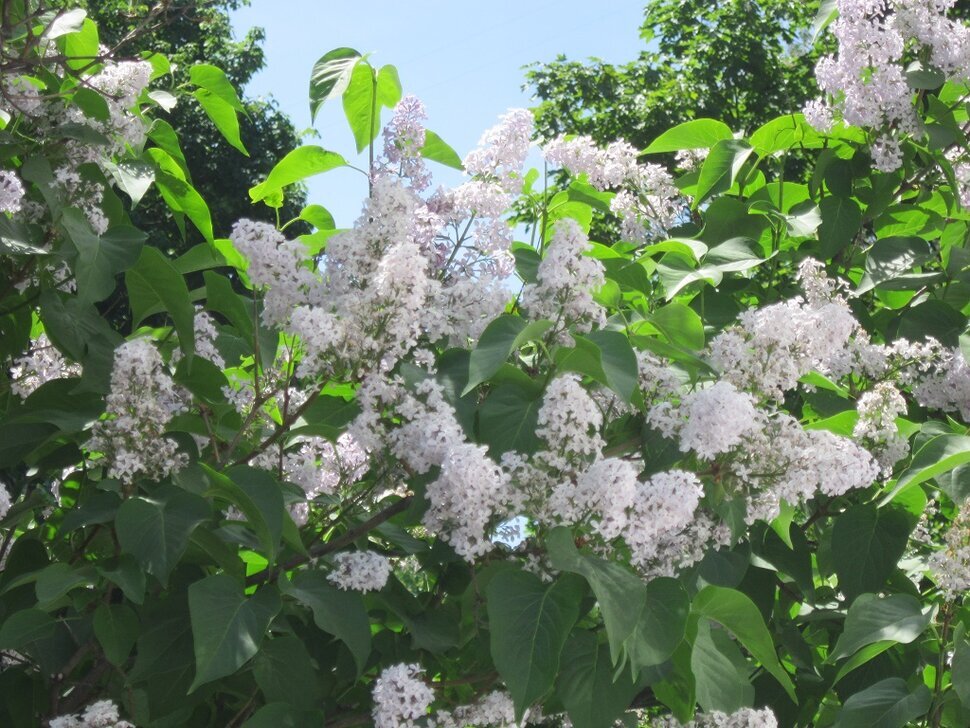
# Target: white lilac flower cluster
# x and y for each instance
(876, 427)
(361, 571)
(565, 283)
(951, 565)
(102, 714)
(865, 82)
(404, 137)
(5, 500)
(772, 347)
(709, 421)
(647, 201)
(44, 363)
(743, 718)
(570, 483)
(318, 466)
(205, 339)
(120, 84)
(142, 402)
(400, 697)
(277, 264)
(496, 170)
(11, 191)
(607, 168)
(765, 456)
(471, 490)
(465, 498)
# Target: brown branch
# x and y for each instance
(345, 539)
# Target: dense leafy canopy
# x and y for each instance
(442, 470)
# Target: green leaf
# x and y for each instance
(22, 628)
(860, 658)
(227, 627)
(500, 338)
(828, 11)
(898, 618)
(784, 132)
(66, 22)
(586, 686)
(680, 324)
(202, 378)
(694, 134)
(841, 221)
(887, 704)
(182, 197)
(213, 80)
(932, 318)
(283, 715)
(156, 532)
(720, 671)
(507, 420)
(337, 612)
(100, 258)
(257, 494)
(438, 151)
(388, 86)
(296, 166)
(528, 623)
(82, 46)
(737, 613)
(618, 360)
(606, 356)
(223, 115)
(57, 580)
(960, 668)
(318, 216)
(117, 628)
(330, 76)
(133, 176)
(892, 258)
(644, 623)
(867, 542)
(221, 298)
(939, 455)
(720, 169)
(362, 104)
(153, 283)
(285, 673)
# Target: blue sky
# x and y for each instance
(462, 58)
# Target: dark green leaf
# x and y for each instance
(586, 686)
(100, 258)
(153, 283)
(227, 627)
(867, 542)
(887, 704)
(285, 673)
(898, 618)
(337, 612)
(737, 613)
(720, 670)
(117, 627)
(507, 420)
(528, 623)
(156, 532)
(841, 221)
